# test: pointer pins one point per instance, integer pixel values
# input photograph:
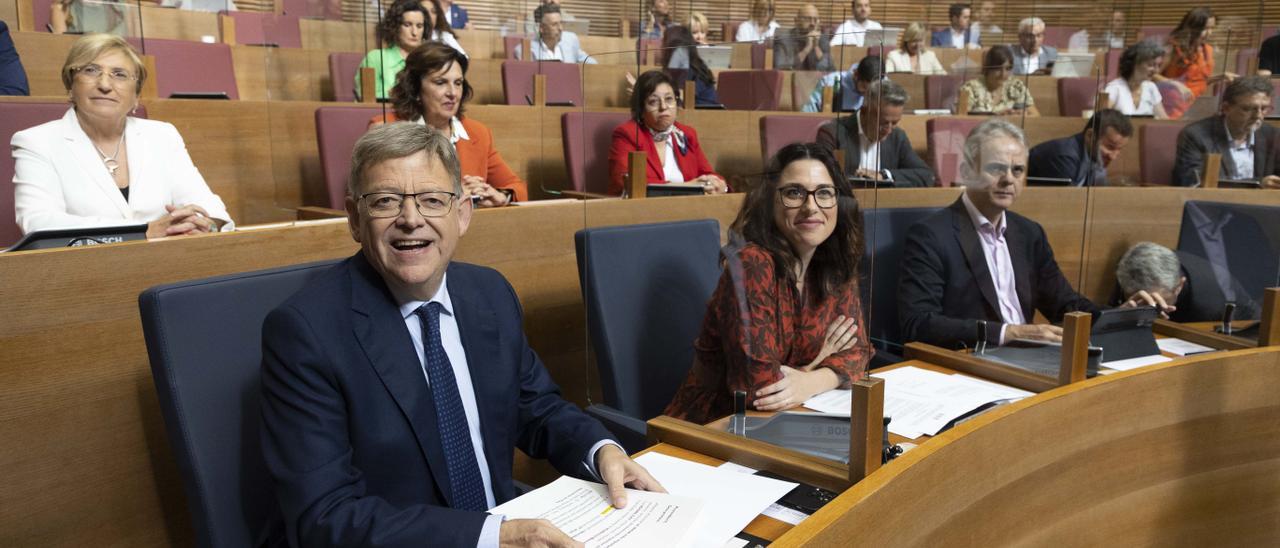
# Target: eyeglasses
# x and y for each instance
(1252, 109)
(94, 72)
(794, 196)
(654, 103)
(433, 203)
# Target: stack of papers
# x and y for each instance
(1134, 363)
(921, 401)
(1180, 347)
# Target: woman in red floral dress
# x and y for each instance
(783, 322)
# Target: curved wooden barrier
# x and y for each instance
(1184, 454)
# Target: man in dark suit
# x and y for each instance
(975, 260)
(1082, 158)
(1249, 147)
(874, 146)
(13, 79)
(396, 386)
(1187, 281)
(960, 34)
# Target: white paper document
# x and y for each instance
(921, 401)
(582, 510)
(1180, 347)
(775, 510)
(729, 500)
(1134, 363)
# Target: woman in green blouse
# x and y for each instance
(402, 28)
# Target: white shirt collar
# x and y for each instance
(459, 132)
(1231, 141)
(408, 305)
(980, 220)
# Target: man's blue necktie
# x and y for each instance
(455, 438)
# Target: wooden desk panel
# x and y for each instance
(176, 24)
(43, 55)
(327, 36)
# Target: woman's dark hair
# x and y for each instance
(421, 62)
(442, 24)
(1138, 54)
(645, 85)
(997, 57)
(679, 36)
(836, 260)
(389, 27)
(1185, 38)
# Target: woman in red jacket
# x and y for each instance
(672, 151)
(432, 89)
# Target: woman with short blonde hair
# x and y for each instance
(911, 55)
(98, 166)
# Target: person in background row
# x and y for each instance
(1269, 56)
(1134, 92)
(98, 166)
(976, 260)
(434, 91)
(911, 55)
(874, 146)
(455, 15)
(554, 43)
(984, 22)
(1111, 38)
(1250, 148)
(672, 151)
(81, 17)
(680, 56)
(1187, 283)
(761, 26)
(803, 47)
(849, 86)
(1083, 158)
(1031, 56)
(853, 32)
(995, 92)
(203, 5)
(960, 34)
(13, 78)
(783, 323)
(403, 29)
(699, 27)
(397, 384)
(1188, 70)
(438, 29)
(656, 19)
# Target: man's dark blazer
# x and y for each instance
(896, 154)
(945, 286)
(1063, 158)
(13, 79)
(1201, 299)
(348, 423)
(1209, 136)
(942, 38)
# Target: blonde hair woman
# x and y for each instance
(98, 166)
(911, 55)
(700, 28)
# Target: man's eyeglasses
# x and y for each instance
(794, 196)
(94, 72)
(434, 203)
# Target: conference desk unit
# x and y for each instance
(86, 460)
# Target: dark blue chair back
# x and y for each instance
(204, 338)
(1246, 236)
(885, 231)
(646, 289)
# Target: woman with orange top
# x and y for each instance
(1188, 70)
(433, 90)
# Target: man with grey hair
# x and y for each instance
(976, 260)
(875, 148)
(1031, 56)
(396, 385)
(1249, 147)
(1183, 285)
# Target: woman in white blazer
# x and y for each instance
(97, 166)
(911, 55)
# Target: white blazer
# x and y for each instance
(59, 179)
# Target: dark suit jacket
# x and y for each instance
(1269, 55)
(1201, 299)
(1064, 158)
(13, 79)
(1209, 136)
(349, 427)
(896, 154)
(942, 38)
(945, 284)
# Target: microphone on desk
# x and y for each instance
(981, 347)
(1228, 311)
(738, 425)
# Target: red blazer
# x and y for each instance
(477, 156)
(631, 136)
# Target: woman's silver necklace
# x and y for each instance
(110, 161)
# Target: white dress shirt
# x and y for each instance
(958, 38)
(1241, 154)
(567, 50)
(853, 33)
(869, 148)
(451, 340)
(1148, 97)
(748, 31)
(449, 40)
(996, 251)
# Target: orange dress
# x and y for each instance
(1192, 71)
(477, 156)
(757, 322)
